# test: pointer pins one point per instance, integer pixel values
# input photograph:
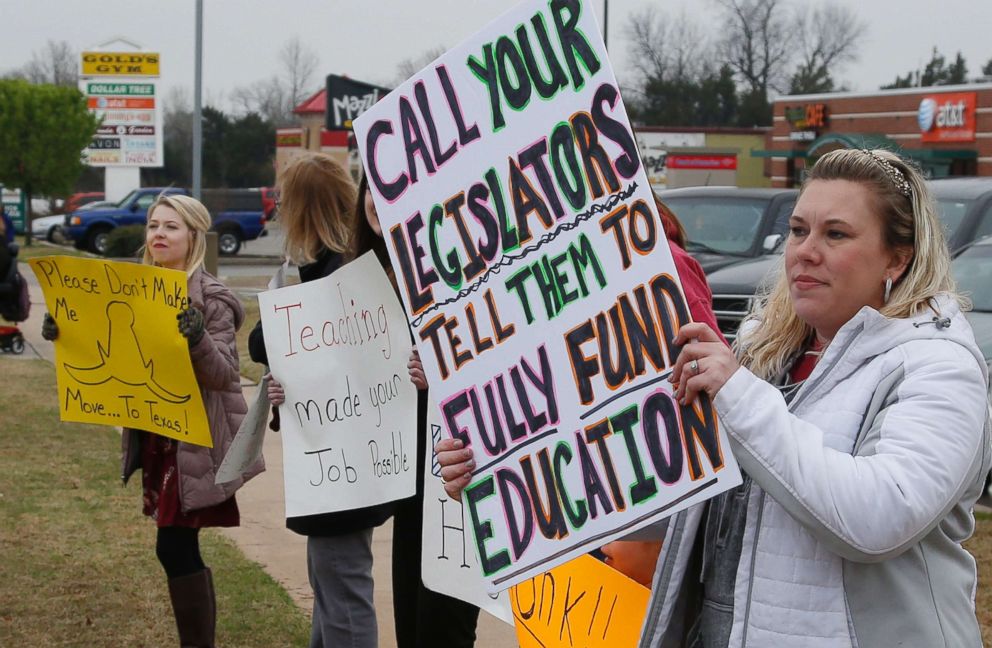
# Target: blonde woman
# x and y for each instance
(856, 404)
(317, 197)
(179, 492)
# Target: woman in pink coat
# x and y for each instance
(178, 487)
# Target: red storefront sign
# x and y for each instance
(333, 138)
(947, 117)
(689, 161)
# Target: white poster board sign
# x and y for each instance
(450, 564)
(541, 290)
(340, 346)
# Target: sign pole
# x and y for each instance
(197, 107)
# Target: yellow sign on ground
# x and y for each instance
(120, 64)
(581, 603)
(119, 358)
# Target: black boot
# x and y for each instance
(195, 608)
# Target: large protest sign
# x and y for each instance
(581, 603)
(540, 289)
(119, 357)
(340, 346)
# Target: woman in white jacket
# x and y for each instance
(856, 404)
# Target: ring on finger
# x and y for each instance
(694, 366)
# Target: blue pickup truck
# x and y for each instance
(237, 217)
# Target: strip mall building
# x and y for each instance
(946, 129)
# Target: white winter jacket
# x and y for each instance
(863, 488)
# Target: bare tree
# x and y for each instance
(758, 38)
(299, 63)
(177, 100)
(410, 66)
(276, 97)
(267, 97)
(57, 63)
(663, 48)
(828, 37)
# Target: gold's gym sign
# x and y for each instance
(120, 64)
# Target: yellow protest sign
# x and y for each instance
(119, 357)
(581, 603)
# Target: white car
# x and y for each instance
(48, 228)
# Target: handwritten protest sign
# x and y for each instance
(339, 346)
(540, 289)
(581, 603)
(120, 359)
(450, 564)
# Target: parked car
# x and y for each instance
(48, 228)
(964, 206)
(270, 202)
(97, 204)
(237, 217)
(729, 225)
(972, 269)
(77, 200)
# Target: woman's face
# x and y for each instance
(836, 260)
(167, 238)
(371, 215)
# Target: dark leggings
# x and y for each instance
(178, 549)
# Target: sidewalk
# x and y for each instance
(263, 536)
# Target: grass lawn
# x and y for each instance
(79, 566)
(47, 249)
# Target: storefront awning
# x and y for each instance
(940, 155)
(852, 140)
(783, 153)
(927, 157)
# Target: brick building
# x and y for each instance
(946, 129)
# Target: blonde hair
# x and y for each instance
(197, 219)
(909, 222)
(317, 197)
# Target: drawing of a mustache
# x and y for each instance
(131, 367)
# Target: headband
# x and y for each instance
(895, 175)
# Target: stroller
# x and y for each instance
(15, 303)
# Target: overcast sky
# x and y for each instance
(366, 39)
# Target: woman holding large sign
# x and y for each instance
(857, 405)
(179, 492)
(317, 198)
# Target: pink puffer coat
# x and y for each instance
(215, 364)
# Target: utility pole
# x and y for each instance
(606, 23)
(210, 262)
(197, 107)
